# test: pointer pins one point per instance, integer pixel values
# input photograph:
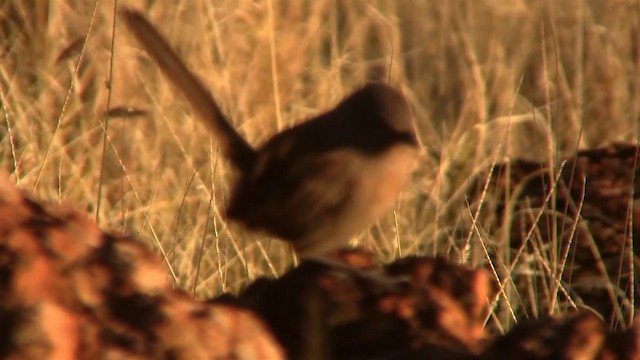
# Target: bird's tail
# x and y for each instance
(232, 145)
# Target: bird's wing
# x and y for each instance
(324, 183)
(297, 194)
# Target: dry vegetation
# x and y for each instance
(563, 75)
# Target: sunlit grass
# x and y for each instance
(488, 81)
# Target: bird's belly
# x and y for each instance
(383, 179)
(380, 180)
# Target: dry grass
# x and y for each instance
(487, 79)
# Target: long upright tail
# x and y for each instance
(232, 145)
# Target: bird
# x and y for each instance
(315, 184)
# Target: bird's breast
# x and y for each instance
(383, 178)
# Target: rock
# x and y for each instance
(71, 291)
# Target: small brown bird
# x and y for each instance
(317, 183)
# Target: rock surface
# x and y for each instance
(585, 214)
(71, 291)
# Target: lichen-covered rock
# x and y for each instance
(71, 291)
(358, 310)
(580, 219)
(415, 308)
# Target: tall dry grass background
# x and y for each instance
(487, 79)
